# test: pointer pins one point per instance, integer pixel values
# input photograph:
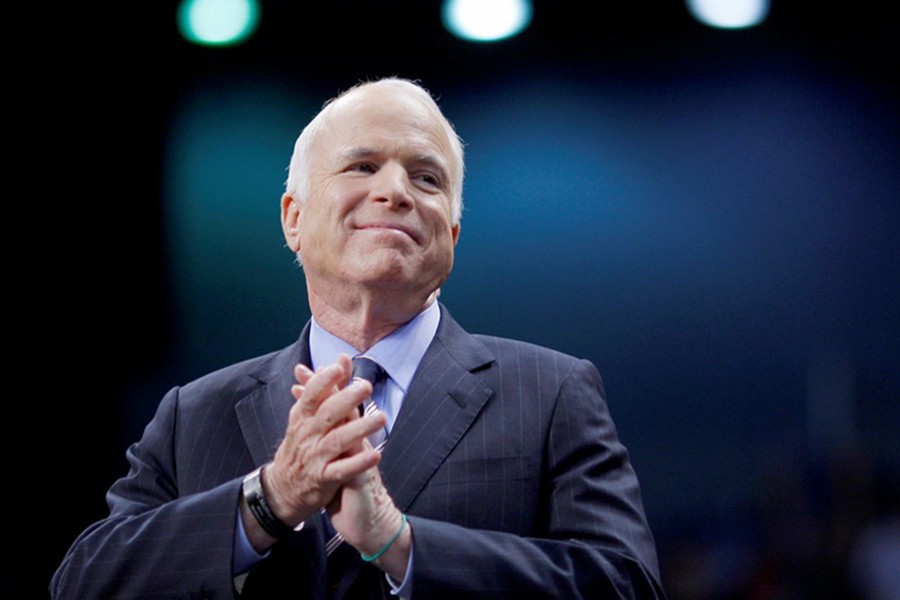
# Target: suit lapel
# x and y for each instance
(263, 414)
(444, 399)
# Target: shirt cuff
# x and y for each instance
(404, 588)
(244, 555)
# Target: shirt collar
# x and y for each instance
(399, 353)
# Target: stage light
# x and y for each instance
(218, 22)
(729, 14)
(486, 20)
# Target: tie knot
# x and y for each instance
(366, 368)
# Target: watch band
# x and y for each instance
(256, 502)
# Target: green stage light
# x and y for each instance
(218, 22)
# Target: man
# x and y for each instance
(502, 475)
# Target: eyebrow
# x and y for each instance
(360, 152)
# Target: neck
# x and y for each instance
(366, 318)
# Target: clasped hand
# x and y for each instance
(325, 459)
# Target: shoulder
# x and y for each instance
(539, 366)
(511, 348)
(233, 382)
(526, 359)
(487, 348)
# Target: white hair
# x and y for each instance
(297, 184)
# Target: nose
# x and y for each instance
(390, 186)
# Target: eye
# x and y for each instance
(429, 179)
(362, 167)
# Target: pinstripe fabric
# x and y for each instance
(504, 456)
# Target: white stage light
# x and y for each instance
(486, 20)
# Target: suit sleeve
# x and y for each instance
(593, 540)
(155, 543)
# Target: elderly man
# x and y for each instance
(489, 468)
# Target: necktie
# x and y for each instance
(363, 368)
(366, 368)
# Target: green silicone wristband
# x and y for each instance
(386, 546)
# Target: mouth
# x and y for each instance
(389, 227)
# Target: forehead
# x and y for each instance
(389, 120)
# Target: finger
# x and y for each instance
(318, 387)
(342, 406)
(346, 363)
(345, 468)
(351, 436)
(302, 373)
(297, 391)
(313, 417)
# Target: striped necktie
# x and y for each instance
(363, 368)
(366, 368)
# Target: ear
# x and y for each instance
(290, 221)
(454, 231)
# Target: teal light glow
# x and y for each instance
(486, 20)
(729, 14)
(218, 22)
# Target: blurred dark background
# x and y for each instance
(710, 216)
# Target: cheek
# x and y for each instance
(443, 249)
(444, 232)
(437, 214)
(320, 216)
(317, 236)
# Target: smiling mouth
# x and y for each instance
(389, 227)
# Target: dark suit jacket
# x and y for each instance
(504, 456)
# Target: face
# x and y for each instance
(378, 211)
